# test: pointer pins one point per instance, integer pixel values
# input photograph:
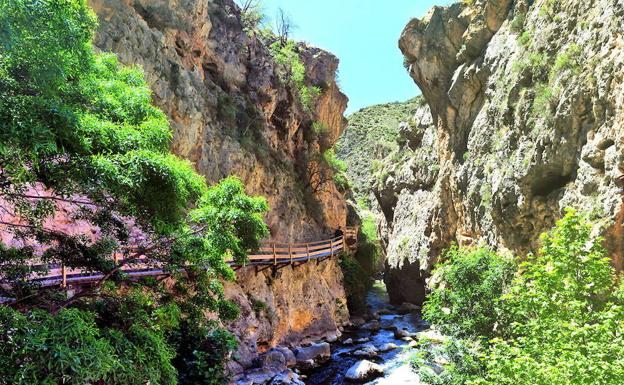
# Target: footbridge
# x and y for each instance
(270, 255)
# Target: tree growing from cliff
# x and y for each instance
(79, 136)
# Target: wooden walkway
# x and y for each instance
(270, 255)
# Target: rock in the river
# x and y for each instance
(407, 307)
(348, 341)
(314, 352)
(364, 371)
(402, 333)
(366, 351)
(357, 321)
(286, 378)
(387, 347)
(362, 340)
(372, 326)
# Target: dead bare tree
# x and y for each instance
(283, 26)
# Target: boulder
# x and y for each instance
(366, 351)
(273, 361)
(357, 321)
(348, 341)
(402, 333)
(286, 377)
(289, 356)
(407, 307)
(372, 326)
(364, 371)
(387, 347)
(314, 352)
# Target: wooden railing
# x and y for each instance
(270, 254)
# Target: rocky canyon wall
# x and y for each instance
(525, 117)
(232, 115)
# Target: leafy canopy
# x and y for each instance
(559, 321)
(79, 134)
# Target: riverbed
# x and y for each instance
(360, 336)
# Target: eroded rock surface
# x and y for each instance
(232, 115)
(526, 118)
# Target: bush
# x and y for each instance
(287, 56)
(560, 320)
(464, 302)
(356, 284)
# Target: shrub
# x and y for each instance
(464, 302)
(356, 284)
(560, 319)
(517, 24)
(287, 56)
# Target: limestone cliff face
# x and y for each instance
(232, 115)
(526, 117)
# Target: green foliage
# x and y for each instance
(287, 56)
(560, 319)
(356, 284)
(79, 124)
(526, 38)
(463, 358)
(39, 348)
(568, 60)
(337, 168)
(372, 135)
(369, 250)
(464, 302)
(252, 15)
(517, 24)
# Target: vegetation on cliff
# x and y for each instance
(79, 133)
(371, 135)
(558, 320)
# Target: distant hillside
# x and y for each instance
(370, 136)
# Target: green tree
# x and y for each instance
(78, 131)
(464, 301)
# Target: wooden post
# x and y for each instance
(308, 251)
(64, 276)
(344, 244)
(274, 255)
(290, 252)
(331, 246)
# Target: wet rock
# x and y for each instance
(348, 341)
(407, 307)
(364, 371)
(314, 352)
(289, 356)
(273, 361)
(372, 326)
(402, 333)
(388, 347)
(362, 340)
(357, 321)
(286, 378)
(366, 351)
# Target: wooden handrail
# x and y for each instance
(271, 253)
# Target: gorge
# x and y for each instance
(488, 210)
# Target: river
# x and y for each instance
(394, 362)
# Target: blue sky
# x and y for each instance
(364, 35)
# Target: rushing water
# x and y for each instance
(397, 371)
